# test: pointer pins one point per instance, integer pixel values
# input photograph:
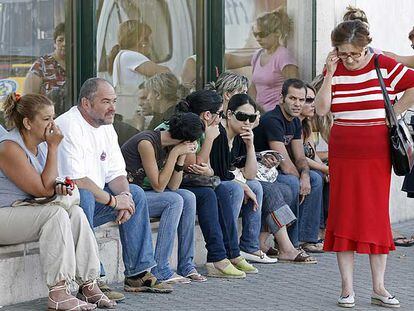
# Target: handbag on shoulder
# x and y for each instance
(400, 137)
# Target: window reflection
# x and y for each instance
(27, 33)
(142, 39)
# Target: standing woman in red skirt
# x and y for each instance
(359, 155)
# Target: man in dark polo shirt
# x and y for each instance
(281, 130)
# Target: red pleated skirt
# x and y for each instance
(360, 174)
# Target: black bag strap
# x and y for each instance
(392, 118)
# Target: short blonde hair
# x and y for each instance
(167, 85)
(276, 21)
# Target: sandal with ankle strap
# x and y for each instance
(97, 299)
(76, 308)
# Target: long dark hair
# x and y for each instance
(238, 100)
(200, 101)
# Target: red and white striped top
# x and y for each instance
(356, 95)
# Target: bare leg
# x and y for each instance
(286, 248)
(378, 264)
(262, 240)
(346, 268)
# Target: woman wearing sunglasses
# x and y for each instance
(315, 163)
(215, 207)
(273, 63)
(236, 142)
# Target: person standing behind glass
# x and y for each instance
(358, 219)
(273, 63)
(164, 90)
(130, 65)
(47, 76)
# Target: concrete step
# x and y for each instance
(22, 280)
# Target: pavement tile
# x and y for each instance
(278, 287)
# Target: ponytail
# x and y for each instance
(17, 107)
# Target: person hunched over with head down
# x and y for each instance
(154, 160)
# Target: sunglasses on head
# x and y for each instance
(241, 116)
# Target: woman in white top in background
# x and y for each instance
(129, 64)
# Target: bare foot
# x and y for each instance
(60, 298)
(289, 255)
(93, 294)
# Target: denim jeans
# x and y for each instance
(135, 234)
(276, 211)
(308, 213)
(251, 220)
(177, 210)
(230, 198)
(208, 218)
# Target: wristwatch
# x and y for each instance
(178, 168)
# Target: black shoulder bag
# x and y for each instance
(400, 137)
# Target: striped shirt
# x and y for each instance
(356, 95)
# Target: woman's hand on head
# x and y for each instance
(53, 135)
(185, 147)
(332, 62)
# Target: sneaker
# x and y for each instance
(229, 272)
(148, 283)
(244, 266)
(260, 258)
(111, 294)
(347, 301)
(388, 302)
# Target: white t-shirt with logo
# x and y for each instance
(86, 151)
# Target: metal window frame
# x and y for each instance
(81, 29)
(210, 37)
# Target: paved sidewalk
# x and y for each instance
(279, 287)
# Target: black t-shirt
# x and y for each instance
(274, 126)
(221, 158)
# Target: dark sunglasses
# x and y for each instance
(241, 116)
(220, 113)
(261, 34)
(309, 100)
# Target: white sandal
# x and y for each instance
(92, 299)
(56, 307)
(177, 279)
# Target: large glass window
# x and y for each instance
(32, 53)
(138, 40)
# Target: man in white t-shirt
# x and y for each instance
(90, 155)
